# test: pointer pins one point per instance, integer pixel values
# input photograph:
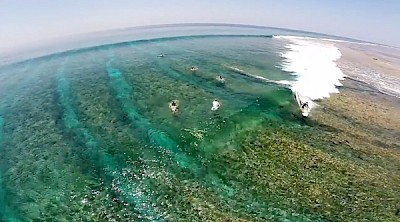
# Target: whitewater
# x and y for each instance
(313, 62)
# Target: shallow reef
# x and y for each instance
(88, 136)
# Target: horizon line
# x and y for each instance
(241, 25)
(166, 25)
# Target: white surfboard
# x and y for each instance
(304, 104)
(215, 105)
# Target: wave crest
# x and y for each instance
(313, 62)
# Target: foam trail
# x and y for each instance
(282, 83)
(131, 192)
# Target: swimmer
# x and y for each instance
(173, 105)
(193, 68)
(220, 79)
(215, 105)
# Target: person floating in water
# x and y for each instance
(173, 105)
(220, 79)
(215, 105)
(193, 68)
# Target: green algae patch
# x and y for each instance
(296, 176)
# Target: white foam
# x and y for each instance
(313, 63)
(324, 39)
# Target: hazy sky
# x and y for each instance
(23, 22)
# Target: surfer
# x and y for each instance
(173, 105)
(305, 105)
(215, 105)
(193, 68)
(220, 79)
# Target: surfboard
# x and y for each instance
(303, 104)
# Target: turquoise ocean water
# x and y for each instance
(86, 135)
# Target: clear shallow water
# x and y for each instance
(87, 135)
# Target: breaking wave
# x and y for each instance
(313, 64)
